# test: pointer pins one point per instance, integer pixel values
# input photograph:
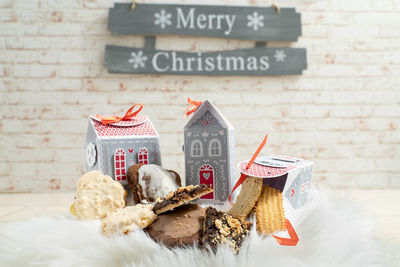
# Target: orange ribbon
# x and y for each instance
(243, 176)
(193, 106)
(292, 241)
(128, 115)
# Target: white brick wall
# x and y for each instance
(343, 112)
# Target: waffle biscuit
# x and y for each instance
(247, 198)
(270, 216)
(181, 196)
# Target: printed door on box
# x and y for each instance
(206, 174)
(119, 165)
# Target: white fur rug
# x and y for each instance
(331, 233)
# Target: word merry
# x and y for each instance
(168, 61)
(202, 21)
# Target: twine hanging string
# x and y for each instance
(133, 5)
(278, 9)
(243, 176)
(128, 115)
(193, 106)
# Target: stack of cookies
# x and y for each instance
(162, 209)
(267, 202)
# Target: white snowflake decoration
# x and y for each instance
(280, 55)
(91, 154)
(255, 21)
(138, 59)
(163, 18)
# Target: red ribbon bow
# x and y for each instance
(128, 115)
(243, 176)
(292, 241)
(193, 106)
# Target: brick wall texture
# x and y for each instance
(343, 112)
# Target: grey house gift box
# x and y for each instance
(113, 148)
(209, 152)
(292, 176)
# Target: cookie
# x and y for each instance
(181, 196)
(270, 216)
(149, 182)
(128, 219)
(181, 227)
(220, 228)
(97, 195)
(247, 198)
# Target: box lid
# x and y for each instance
(139, 125)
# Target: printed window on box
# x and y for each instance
(119, 165)
(197, 149)
(215, 147)
(143, 156)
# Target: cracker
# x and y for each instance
(247, 198)
(181, 196)
(270, 216)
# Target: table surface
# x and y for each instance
(379, 204)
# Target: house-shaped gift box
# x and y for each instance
(292, 176)
(209, 152)
(113, 148)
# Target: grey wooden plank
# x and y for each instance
(233, 22)
(150, 42)
(258, 61)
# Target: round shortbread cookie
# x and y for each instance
(128, 219)
(97, 195)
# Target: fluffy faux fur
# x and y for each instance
(331, 233)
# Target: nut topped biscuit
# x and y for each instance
(181, 196)
(221, 228)
(96, 195)
(149, 182)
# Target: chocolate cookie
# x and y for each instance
(180, 227)
(181, 196)
(149, 182)
(221, 228)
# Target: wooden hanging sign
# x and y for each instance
(258, 61)
(232, 22)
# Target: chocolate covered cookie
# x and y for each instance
(220, 228)
(149, 182)
(181, 196)
(180, 227)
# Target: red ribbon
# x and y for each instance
(193, 106)
(128, 115)
(292, 241)
(243, 176)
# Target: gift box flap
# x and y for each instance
(263, 171)
(137, 126)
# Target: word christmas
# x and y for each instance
(256, 61)
(236, 22)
